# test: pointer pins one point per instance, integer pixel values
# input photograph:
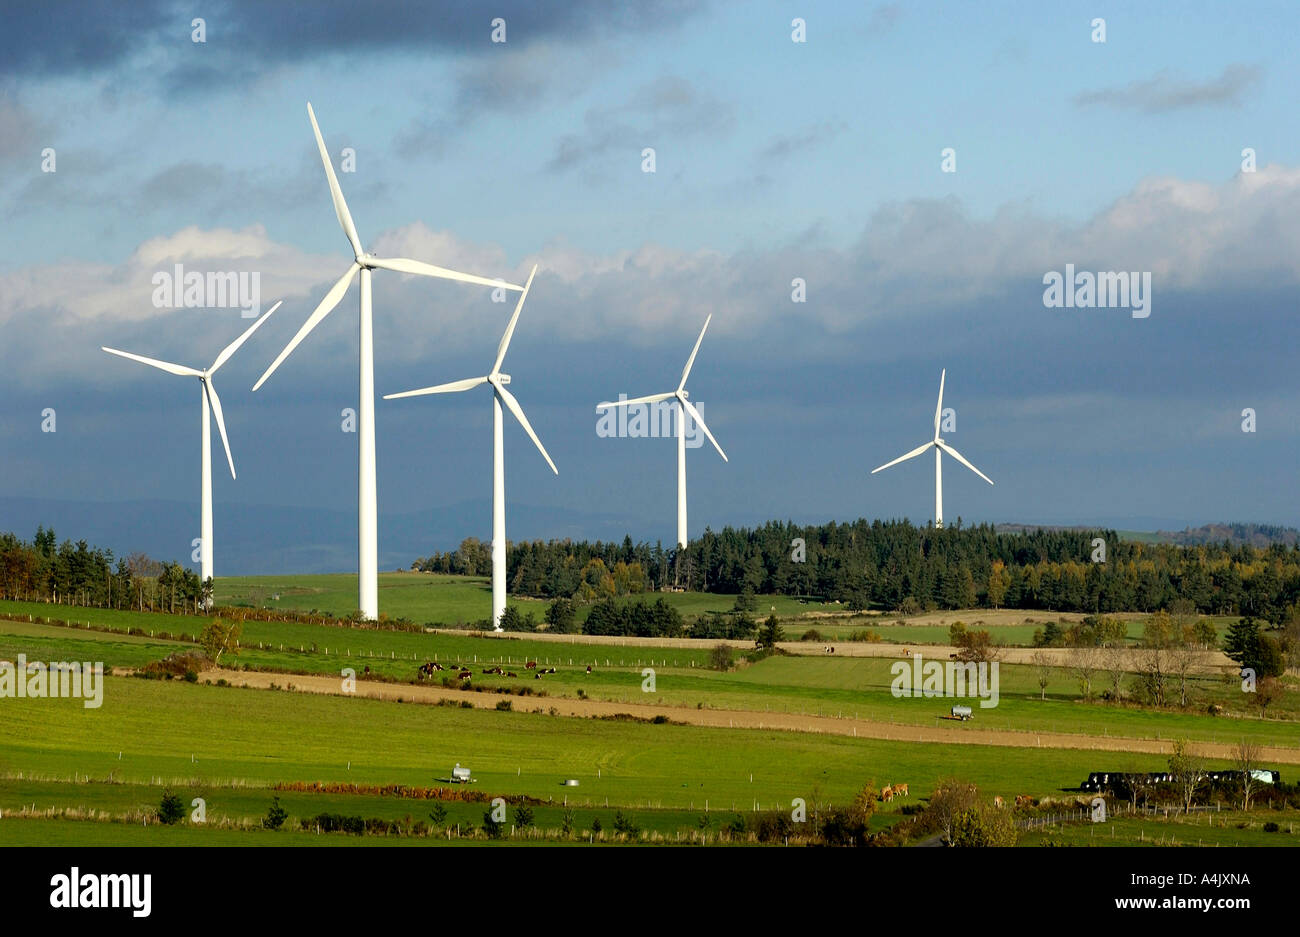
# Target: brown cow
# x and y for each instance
(900, 790)
(531, 665)
(886, 793)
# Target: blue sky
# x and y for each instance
(775, 160)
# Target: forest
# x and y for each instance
(895, 565)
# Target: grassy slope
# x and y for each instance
(267, 736)
(854, 687)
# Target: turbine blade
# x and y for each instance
(215, 401)
(234, 346)
(518, 411)
(903, 458)
(694, 351)
(653, 398)
(451, 388)
(326, 306)
(962, 459)
(938, 409)
(155, 363)
(695, 415)
(336, 193)
(402, 265)
(510, 329)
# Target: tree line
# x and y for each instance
(895, 565)
(45, 570)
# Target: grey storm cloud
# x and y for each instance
(1165, 92)
(89, 37)
(917, 262)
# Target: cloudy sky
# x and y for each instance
(774, 160)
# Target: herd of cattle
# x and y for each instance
(429, 668)
(890, 791)
(1121, 782)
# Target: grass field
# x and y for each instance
(438, 599)
(231, 745)
(828, 686)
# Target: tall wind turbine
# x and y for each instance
(209, 397)
(940, 447)
(499, 395)
(684, 406)
(364, 263)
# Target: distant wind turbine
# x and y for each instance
(363, 262)
(684, 406)
(209, 398)
(939, 448)
(499, 395)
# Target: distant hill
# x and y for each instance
(1255, 535)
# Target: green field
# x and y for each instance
(431, 598)
(816, 685)
(92, 771)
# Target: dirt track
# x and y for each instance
(1211, 662)
(951, 733)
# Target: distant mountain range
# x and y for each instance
(257, 539)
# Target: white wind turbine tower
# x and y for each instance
(363, 263)
(210, 398)
(684, 406)
(499, 395)
(940, 447)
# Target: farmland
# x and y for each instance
(69, 767)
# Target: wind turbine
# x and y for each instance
(209, 398)
(363, 263)
(684, 406)
(499, 395)
(940, 447)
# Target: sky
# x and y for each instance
(821, 161)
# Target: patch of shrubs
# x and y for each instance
(275, 816)
(171, 809)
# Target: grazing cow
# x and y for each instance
(465, 675)
(366, 672)
(997, 802)
(1024, 800)
(589, 668)
(538, 675)
(531, 665)
(886, 794)
(900, 790)
(552, 670)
